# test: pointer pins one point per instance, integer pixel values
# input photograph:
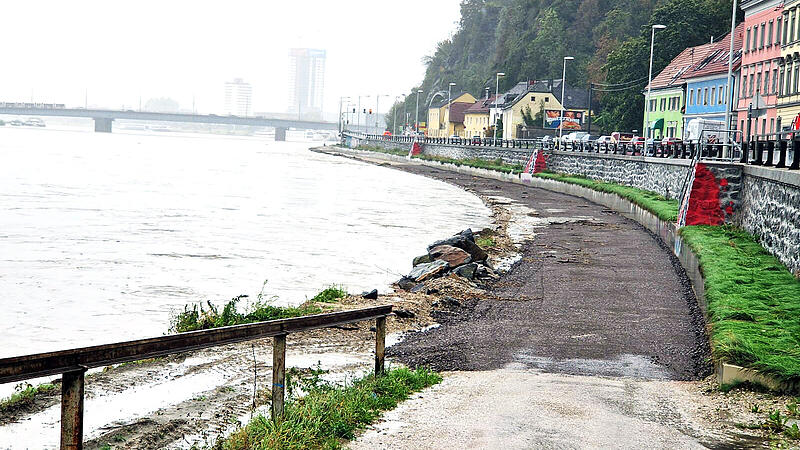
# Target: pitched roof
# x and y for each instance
(717, 60)
(453, 97)
(699, 61)
(457, 112)
(481, 106)
(576, 98)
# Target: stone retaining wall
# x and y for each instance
(763, 201)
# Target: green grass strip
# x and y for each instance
(664, 209)
(388, 151)
(753, 301)
(494, 164)
(24, 396)
(328, 415)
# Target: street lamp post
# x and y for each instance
(649, 82)
(563, 100)
(359, 111)
(728, 93)
(341, 121)
(416, 120)
(447, 125)
(497, 96)
(394, 116)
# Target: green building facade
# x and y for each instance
(666, 112)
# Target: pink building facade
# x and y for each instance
(761, 69)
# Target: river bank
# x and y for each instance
(631, 323)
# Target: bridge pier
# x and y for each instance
(280, 134)
(102, 125)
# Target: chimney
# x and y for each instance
(550, 85)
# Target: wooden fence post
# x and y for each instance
(72, 410)
(380, 344)
(278, 376)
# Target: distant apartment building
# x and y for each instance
(238, 98)
(306, 82)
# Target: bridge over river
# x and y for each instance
(103, 118)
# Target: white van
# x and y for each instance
(707, 130)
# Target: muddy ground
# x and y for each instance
(594, 293)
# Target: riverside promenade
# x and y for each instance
(595, 333)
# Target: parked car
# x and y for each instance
(476, 140)
(575, 136)
(670, 140)
(604, 140)
(589, 138)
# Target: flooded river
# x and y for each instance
(103, 236)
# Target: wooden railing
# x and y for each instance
(73, 364)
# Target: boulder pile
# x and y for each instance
(458, 255)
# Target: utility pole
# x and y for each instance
(728, 93)
(589, 119)
(496, 107)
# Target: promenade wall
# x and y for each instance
(763, 201)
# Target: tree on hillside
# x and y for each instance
(689, 23)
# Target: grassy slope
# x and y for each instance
(329, 414)
(753, 301)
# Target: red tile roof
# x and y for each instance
(481, 106)
(702, 60)
(457, 112)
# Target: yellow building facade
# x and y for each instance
(477, 121)
(789, 65)
(439, 124)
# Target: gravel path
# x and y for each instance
(594, 293)
(514, 409)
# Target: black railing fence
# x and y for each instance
(780, 150)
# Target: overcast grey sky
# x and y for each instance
(54, 50)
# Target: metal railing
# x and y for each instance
(781, 150)
(72, 364)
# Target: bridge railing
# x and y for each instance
(72, 364)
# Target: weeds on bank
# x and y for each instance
(664, 209)
(389, 151)
(331, 294)
(206, 316)
(495, 164)
(485, 242)
(329, 413)
(24, 394)
(753, 301)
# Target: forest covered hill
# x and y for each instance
(527, 39)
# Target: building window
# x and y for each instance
(747, 42)
(533, 99)
(766, 82)
(763, 29)
(705, 96)
(796, 73)
(791, 27)
(778, 31)
(752, 81)
(755, 39)
(719, 95)
(663, 104)
(652, 105)
(780, 83)
(785, 39)
(769, 35)
(713, 94)
(771, 125)
(744, 87)
(691, 96)
(774, 81)
(758, 82)
(546, 99)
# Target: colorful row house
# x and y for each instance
(789, 65)
(694, 85)
(541, 100)
(763, 71)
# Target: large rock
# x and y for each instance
(423, 272)
(424, 259)
(405, 283)
(371, 295)
(468, 234)
(463, 243)
(467, 271)
(453, 255)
